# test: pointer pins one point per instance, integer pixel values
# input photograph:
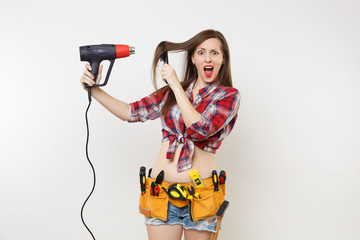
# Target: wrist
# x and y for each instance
(95, 91)
(177, 88)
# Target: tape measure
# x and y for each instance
(177, 191)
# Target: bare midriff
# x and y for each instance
(202, 161)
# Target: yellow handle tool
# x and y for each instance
(176, 191)
(194, 175)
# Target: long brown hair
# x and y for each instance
(190, 70)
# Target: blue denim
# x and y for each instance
(181, 216)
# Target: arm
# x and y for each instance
(119, 108)
(215, 117)
(218, 115)
(188, 112)
(148, 107)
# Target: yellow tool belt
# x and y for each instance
(204, 207)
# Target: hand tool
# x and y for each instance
(165, 59)
(222, 209)
(155, 189)
(142, 179)
(176, 191)
(215, 180)
(194, 175)
(160, 177)
(149, 174)
(191, 197)
(222, 177)
(219, 215)
(192, 192)
(155, 186)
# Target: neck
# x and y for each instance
(199, 84)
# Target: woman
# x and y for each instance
(197, 114)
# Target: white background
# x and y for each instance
(292, 159)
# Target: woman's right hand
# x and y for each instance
(88, 78)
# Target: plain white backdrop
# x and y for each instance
(292, 159)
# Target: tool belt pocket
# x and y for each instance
(154, 206)
(207, 206)
(158, 207)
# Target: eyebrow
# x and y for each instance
(200, 48)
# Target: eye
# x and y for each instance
(200, 52)
(215, 53)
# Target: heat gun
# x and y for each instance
(95, 54)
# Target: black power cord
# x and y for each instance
(93, 169)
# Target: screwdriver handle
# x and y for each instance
(215, 180)
(222, 177)
(142, 178)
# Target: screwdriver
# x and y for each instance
(222, 177)
(215, 180)
(142, 179)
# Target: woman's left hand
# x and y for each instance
(168, 73)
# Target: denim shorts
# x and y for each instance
(180, 215)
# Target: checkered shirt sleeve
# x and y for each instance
(147, 108)
(216, 117)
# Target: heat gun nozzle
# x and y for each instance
(132, 50)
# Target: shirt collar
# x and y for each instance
(203, 92)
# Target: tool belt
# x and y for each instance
(204, 203)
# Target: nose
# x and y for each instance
(208, 58)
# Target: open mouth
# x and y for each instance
(208, 69)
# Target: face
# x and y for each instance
(208, 59)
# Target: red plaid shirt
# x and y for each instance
(217, 104)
